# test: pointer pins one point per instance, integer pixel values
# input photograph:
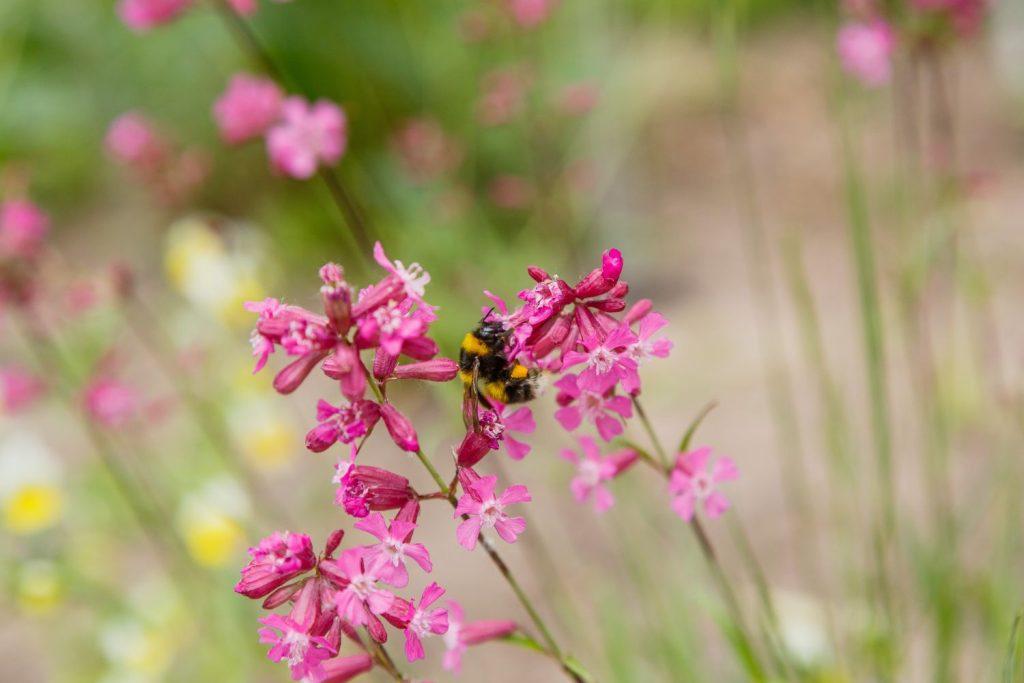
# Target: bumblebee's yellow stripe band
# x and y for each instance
(472, 345)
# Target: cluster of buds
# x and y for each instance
(300, 136)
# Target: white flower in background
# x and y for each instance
(30, 493)
(211, 518)
(214, 269)
(804, 634)
(266, 435)
(141, 646)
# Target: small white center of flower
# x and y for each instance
(702, 484)
(389, 318)
(297, 643)
(602, 360)
(490, 512)
(361, 585)
(394, 549)
(590, 472)
(420, 624)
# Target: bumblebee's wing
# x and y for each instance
(470, 400)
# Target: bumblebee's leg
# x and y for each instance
(470, 400)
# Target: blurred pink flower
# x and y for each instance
(965, 16)
(605, 410)
(111, 402)
(307, 136)
(425, 150)
(511, 192)
(247, 7)
(394, 548)
(275, 560)
(142, 15)
(461, 635)
(693, 482)
(645, 347)
(248, 107)
(865, 50)
(485, 510)
(530, 13)
(18, 389)
(577, 99)
(424, 622)
(23, 226)
(133, 140)
(503, 96)
(593, 472)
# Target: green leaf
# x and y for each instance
(684, 444)
(525, 641)
(1013, 666)
(573, 665)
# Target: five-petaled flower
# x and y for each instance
(423, 622)
(394, 549)
(694, 480)
(593, 472)
(485, 510)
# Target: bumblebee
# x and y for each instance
(483, 366)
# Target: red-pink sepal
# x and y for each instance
(343, 669)
(637, 311)
(552, 333)
(473, 448)
(400, 428)
(436, 370)
(409, 512)
(467, 477)
(383, 364)
(420, 348)
(333, 541)
(293, 374)
(282, 595)
(538, 274)
(601, 280)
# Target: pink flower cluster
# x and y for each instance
(138, 144)
(300, 136)
(865, 51)
(144, 15)
(23, 229)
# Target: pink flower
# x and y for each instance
(461, 635)
(521, 421)
(693, 482)
(342, 423)
(593, 472)
(425, 151)
(18, 389)
(487, 511)
(413, 278)
(307, 136)
(435, 370)
(132, 139)
(360, 600)
(291, 641)
(608, 361)
(248, 107)
(577, 99)
(142, 15)
(645, 347)
(277, 559)
(394, 548)
(509, 191)
(605, 410)
(530, 13)
(362, 488)
(504, 94)
(424, 622)
(23, 226)
(111, 402)
(865, 50)
(391, 326)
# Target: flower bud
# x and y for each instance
(364, 488)
(293, 374)
(637, 311)
(473, 448)
(400, 428)
(436, 370)
(343, 669)
(383, 364)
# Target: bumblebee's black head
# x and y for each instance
(493, 333)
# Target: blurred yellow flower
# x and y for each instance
(39, 588)
(33, 508)
(267, 437)
(210, 521)
(31, 498)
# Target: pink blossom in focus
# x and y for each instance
(360, 600)
(248, 107)
(593, 472)
(133, 140)
(519, 420)
(343, 423)
(460, 635)
(605, 410)
(18, 389)
(307, 136)
(23, 226)
(275, 560)
(142, 15)
(413, 278)
(530, 13)
(693, 482)
(608, 361)
(865, 50)
(400, 428)
(291, 641)
(645, 347)
(111, 402)
(424, 622)
(362, 488)
(344, 669)
(394, 548)
(485, 510)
